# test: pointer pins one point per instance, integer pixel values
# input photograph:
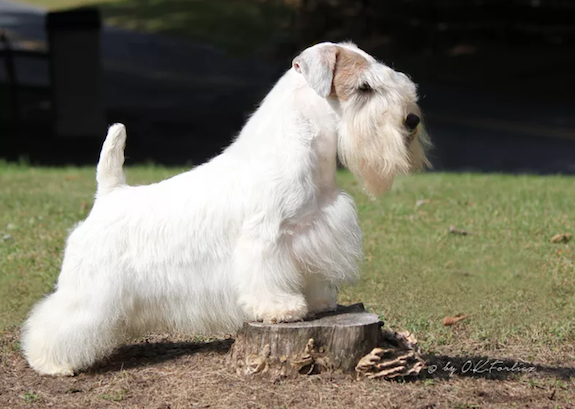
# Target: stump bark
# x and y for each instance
(331, 342)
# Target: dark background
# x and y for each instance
(496, 78)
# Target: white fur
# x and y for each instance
(261, 232)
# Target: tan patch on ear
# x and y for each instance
(348, 66)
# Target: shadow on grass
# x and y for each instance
(440, 367)
(445, 367)
(140, 355)
(239, 27)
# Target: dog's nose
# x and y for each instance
(412, 121)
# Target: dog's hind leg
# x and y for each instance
(68, 331)
(268, 281)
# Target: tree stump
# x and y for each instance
(331, 342)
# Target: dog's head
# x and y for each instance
(381, 133)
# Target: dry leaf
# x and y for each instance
(561, 238)
(421, 202)
(453, 320)
(459, 232)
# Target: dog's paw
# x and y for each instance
(322, 305)
(320, 296)
(294, 309)
(286, 316)
(54, 370)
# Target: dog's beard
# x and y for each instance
(377, 152)
(418, 150)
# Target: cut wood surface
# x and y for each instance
(334, 341)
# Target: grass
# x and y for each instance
(116, 396)
(505, 275)
(31, 397)
(236, 26)
(516, 287)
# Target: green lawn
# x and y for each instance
(238, 26)
(517, 288)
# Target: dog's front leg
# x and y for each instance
(321, 295)
(329, 250)
(268, 281)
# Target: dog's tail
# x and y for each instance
(109, 172)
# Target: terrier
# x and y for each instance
(261, 232)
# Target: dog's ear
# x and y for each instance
(317, 65)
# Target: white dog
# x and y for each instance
(261, 232)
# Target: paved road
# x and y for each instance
(185, 100)
(178, 90)
(151, 57)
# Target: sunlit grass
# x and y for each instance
(237, 26)
(505, 274)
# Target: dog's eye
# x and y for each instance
(411, 122)
(365, 87)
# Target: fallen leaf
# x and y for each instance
(459, 232)
(561, 238)
(453, 320)
(449, 264)
(421, 202)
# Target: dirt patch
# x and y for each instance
(162, 372)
